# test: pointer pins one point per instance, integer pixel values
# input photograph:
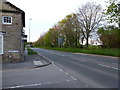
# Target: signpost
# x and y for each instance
(60, 41)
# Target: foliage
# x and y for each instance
(99, 51)
(67, 28)
(40, 41)
(31, 52)
(49, 39)
(109, 36)
(80, 26)
(70, 30)
(113, 11)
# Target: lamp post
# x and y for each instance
(29, 30)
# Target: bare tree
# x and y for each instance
(89, 16)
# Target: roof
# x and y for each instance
(18, 10)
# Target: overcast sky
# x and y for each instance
(46, 13)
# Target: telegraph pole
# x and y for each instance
(29, 30)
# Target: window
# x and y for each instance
(1, 44)
(6, 19)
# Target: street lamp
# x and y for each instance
(29, 30)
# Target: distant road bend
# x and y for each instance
(93, 70)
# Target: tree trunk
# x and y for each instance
(87, 44)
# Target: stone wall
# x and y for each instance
(7, 7)
(0, 26)
(0, 16)
(12, 37)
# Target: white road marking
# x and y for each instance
(46, 58)
(108, 66)
(83, 60)
(79, 59)
(95, 55)
(115, 68)
(66, 73)
(48, 83)
(21, 86)
(61, 70)
(75, 79)
(54, 65)
(30, 85)
(72, 77)
(36, 63)
(68, 80)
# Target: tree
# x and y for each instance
(70, 30)
(109, 36)
(77, 30)
(90, 16)
(113, 11)
(54, 33)
(40, 41)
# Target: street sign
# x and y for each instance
(60, 41)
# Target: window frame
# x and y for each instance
(1, 44)
(7, 22)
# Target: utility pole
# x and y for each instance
(29, 30)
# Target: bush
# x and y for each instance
(31, 52)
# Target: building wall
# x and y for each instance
(6, 7)
(0, 58)
(0, 16)
(12, 37)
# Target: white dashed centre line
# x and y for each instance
(108, 66)
(66, 74)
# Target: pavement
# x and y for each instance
(31, 61)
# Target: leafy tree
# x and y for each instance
(40, 41)
(47, 39)
(70, 30)
(113, 11)
(54, 32)
(109, 36)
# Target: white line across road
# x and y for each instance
(109, 66)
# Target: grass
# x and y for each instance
(31, 52)
(106, 51)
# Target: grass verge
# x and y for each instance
(31, 52)
(107, 51)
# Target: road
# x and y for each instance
(94, 71)
(68, 70)
(44, 77)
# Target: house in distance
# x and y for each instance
(12, 34)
